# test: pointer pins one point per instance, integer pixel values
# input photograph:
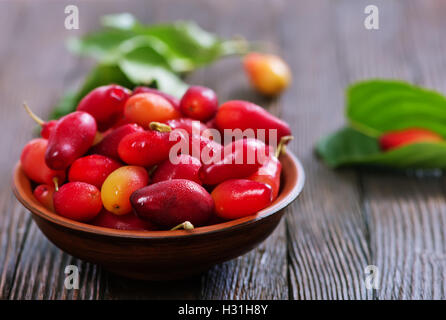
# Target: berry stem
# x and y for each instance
(39, 121)
(160, 127)
(185, 225)
(56, 183)
(281, 148)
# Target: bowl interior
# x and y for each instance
(293, 178)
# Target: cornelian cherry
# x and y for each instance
(244, 115)
(147, 148)
(93, 169)
(185, 167)
(199, 103)
(109, 145)
(78, 201)
(240, 198)
(240, 159)
(33, 163)
(172, 202)
(105, 104)
(173, 101)
(119, 185)
(73, 135)
(44, 194)
(191, 126)
(268, 73)
(397, 139)
(144, 108)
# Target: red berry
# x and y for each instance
(396, 139)
(109, 145)
(73, 135)
(191, 126)
(187, 167)
(145, 148)
(174, 101)
(144, 108)
(240, 159)
(240, 198)
(105, 104)
(34, 165)
(93, 169)
(47, 128)
(244, 115)
(78, 201)
(269, 174)
(169, 203)
(199, 103)
(44, 194)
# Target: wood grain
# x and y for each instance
(328, 247)
(405, 213)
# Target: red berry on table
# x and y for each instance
(172, 202)
(128, 221)
(268, 73)
(240, 198)
(199, 103)
(73, 135)
(109, 145)
(93, 169)
(185, 167)
(78, 201)
(105, 104)
(33, 163)
(44, 194)
(397, 139)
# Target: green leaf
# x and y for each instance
(101, 45)
(184, 44)
(101, 75)
(145, 65)
(190, 45)
(349, 147)
(378, 106)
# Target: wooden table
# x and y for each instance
(344, 221)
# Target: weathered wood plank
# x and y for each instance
(34, 69)
(328, 236)
(406, 214)
(262, 273)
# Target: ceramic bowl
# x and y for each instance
(162, 255)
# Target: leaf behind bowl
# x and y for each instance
(378, 106)
(348, 147)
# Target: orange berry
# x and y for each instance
(268, 73)
(144, 108)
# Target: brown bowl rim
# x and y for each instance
(276, 206)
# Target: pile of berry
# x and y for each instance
(110, 163)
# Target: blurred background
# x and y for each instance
(344, 220)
